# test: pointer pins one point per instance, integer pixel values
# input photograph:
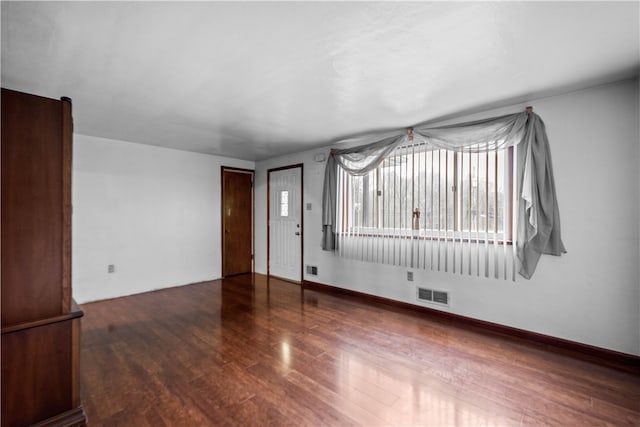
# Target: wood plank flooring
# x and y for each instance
(255, 351)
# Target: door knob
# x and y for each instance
(297, 233)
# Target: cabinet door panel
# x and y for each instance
(36, 373)
(32, 223)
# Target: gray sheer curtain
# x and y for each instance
(538, 218)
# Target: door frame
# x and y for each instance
(281, 168)
(251, 172)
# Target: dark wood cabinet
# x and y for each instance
(40, 322)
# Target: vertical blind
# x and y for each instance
(432, 209)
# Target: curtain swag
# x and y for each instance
(538, 218)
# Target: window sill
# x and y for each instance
(442, 238)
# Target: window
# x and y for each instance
(432, 193)
(431, 209)
(473, 210)
(284, 203)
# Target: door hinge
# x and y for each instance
(251, 256)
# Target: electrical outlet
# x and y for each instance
(410, 276)
(111, 268)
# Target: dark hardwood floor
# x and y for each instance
(251, 351)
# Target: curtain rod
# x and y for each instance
(528, 109)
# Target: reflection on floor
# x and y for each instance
(255, 351)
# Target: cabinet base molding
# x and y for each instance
(72, 418)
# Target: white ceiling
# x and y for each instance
(256, 80)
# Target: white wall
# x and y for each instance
(152, 212)
(589, 295)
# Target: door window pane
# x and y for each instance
(284, 203)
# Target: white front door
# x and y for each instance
(285, 226)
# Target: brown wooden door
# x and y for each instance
(237, 221)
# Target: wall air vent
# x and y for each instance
(441, 297)
(425, 294)
(433, 296)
